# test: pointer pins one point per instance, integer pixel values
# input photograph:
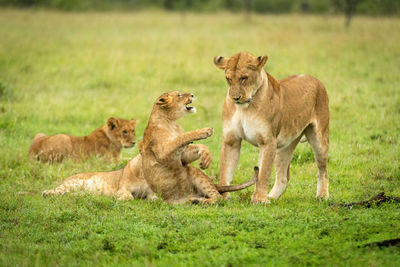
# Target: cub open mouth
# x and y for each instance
(188, 106)
(243, 103)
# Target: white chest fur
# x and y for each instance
(246, 126)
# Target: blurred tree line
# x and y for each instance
(349, 7)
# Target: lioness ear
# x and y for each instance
(112, 123)
(220, 62)
(261, 61)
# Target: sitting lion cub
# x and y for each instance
(105, 141)
(166, 151)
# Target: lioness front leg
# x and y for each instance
(204, 185)
(230, 154)
(197, 152)
(165, 151)
(266, 160)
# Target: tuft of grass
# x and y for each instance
(69, 72)
(6, 93)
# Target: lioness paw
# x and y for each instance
(259, 198)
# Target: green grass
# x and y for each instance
(69, 72)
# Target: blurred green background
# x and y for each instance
(370, 7)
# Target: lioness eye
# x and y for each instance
(179, 95)
(228, 80)
(242, 79)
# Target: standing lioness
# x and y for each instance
(273, 116)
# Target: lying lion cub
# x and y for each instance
(167, 150)
(105, 141)
(127, 183)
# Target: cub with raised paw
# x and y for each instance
(167, 151)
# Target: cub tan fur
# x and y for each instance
(167, 150)
(272, 115)
(105, 141)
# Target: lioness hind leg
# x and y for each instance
(204, 185)
(318, 137)
(282, 165)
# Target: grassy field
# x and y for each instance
(69, 72)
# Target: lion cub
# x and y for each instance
(105, 141)
(127, 183)
(166, 151)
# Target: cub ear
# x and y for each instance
(261, 60)
(134, 121)
(112, 123)
(220, 62)
(163, 101)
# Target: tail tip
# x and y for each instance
(256, 169)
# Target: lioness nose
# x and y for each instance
(236, 98)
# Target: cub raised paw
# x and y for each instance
(205, 132)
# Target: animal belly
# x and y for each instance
(169, 184)
(255, 133)
(285, 138)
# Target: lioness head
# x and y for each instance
(244, 74)
(122, 131)
(175, 104)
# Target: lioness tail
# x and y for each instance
(229, 188)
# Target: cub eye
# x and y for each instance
(242, 79)
(125, 132)
(179, 95)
